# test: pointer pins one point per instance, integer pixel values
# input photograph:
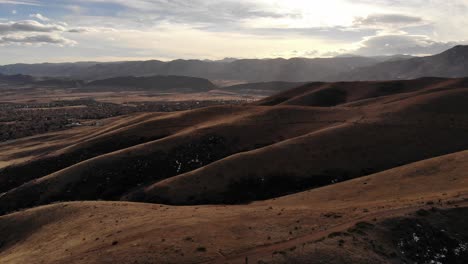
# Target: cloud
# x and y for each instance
(37, 39)
(14, 2)
(239, 28)
(35, 26)
(212, 12)
(85, 30)
(402, 44)
(29, 32)
(75, 9)
(40, 17)
(384, 20)
(29, 26)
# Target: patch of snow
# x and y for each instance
(439, 256)
(461, 248)
(179, 166)
(401, 244)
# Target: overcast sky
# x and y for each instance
(109, 30)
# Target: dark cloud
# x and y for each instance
(34, 32)
(81, 30)
(36, 39)
(29, 26)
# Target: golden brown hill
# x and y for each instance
(332, 94)
(382, 218)
(383, 137)
(109, 176)
(237, 154)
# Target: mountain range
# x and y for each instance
(125, 83)
(451, 64)
(249, 70)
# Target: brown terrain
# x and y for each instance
(32, 105)
(350, 172)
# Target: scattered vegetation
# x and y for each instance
(19, 120)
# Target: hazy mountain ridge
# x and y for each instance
(450, 64)
(17, 78)
(251, 70)
(128, 83)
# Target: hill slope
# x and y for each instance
(223, 154)
(263, 88)
(372, 219)
(355, 172)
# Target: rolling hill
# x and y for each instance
(345, 172)
(126, 83)
(263, 88)
(209, 155)
(383, 218)
(159, 83)
(15, 79)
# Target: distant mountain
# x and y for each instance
(158, 83)
(16, 79)
(127, 83)
(20, 79)
(379, 58)
(59, 83)
(452, 63)
(46, 69)
(252, 70)
(396, 57)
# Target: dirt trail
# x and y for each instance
(256, 254)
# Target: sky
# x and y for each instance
(33, 31)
